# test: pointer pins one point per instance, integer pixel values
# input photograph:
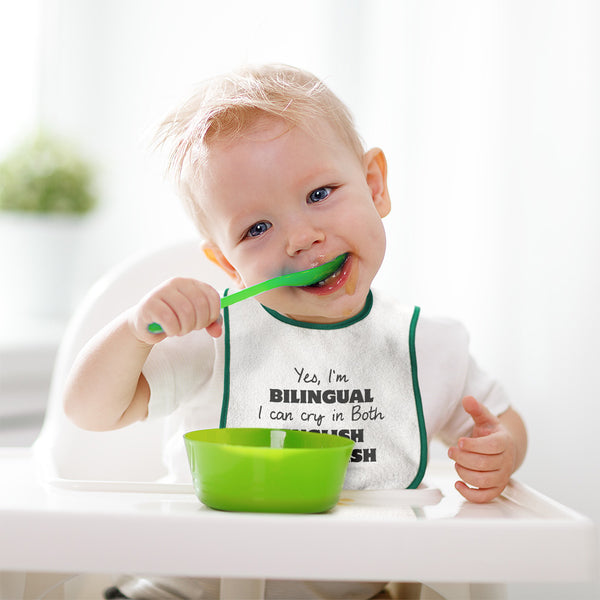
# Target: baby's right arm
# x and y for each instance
(106, 388)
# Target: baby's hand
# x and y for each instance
(179, 305)
(485, 460)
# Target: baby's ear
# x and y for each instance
(375, 166)
(214, 254)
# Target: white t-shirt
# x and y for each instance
(186, 376)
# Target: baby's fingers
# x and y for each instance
(179, 306)
(481, 479)
(494, 443)
(475, 461)
(174, 312)
(484, 476)
(194, 305)
(478, 496)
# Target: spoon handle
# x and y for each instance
(248, 292)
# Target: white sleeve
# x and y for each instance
(176, 368)
(447, 373)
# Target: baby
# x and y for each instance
(277, 180)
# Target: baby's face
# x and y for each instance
(281, 200)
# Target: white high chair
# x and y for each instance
(130, 459)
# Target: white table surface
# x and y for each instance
(399, 535)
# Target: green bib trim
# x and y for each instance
(227, 365)
(419, 404)
(366, 309)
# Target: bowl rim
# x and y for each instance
(344, 442)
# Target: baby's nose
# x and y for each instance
(302, 236)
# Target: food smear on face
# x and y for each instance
(352, 280)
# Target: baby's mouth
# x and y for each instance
(331, 280)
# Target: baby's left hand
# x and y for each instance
(485, 460)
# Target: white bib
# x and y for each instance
(357, 378)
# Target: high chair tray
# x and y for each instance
(96, 485)
(368, 536)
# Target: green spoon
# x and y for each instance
(298, 279)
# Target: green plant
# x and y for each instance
(45, 174)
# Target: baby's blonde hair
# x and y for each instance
(225, 106)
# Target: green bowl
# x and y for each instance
(267, 470)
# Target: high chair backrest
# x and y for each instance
(134, 453)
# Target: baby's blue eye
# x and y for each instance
(319, 194)
(258, 229)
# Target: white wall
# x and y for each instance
(494, 144)
(20, 46)
(488, 114)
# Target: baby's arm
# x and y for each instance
(491, 454)
(106, 388)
